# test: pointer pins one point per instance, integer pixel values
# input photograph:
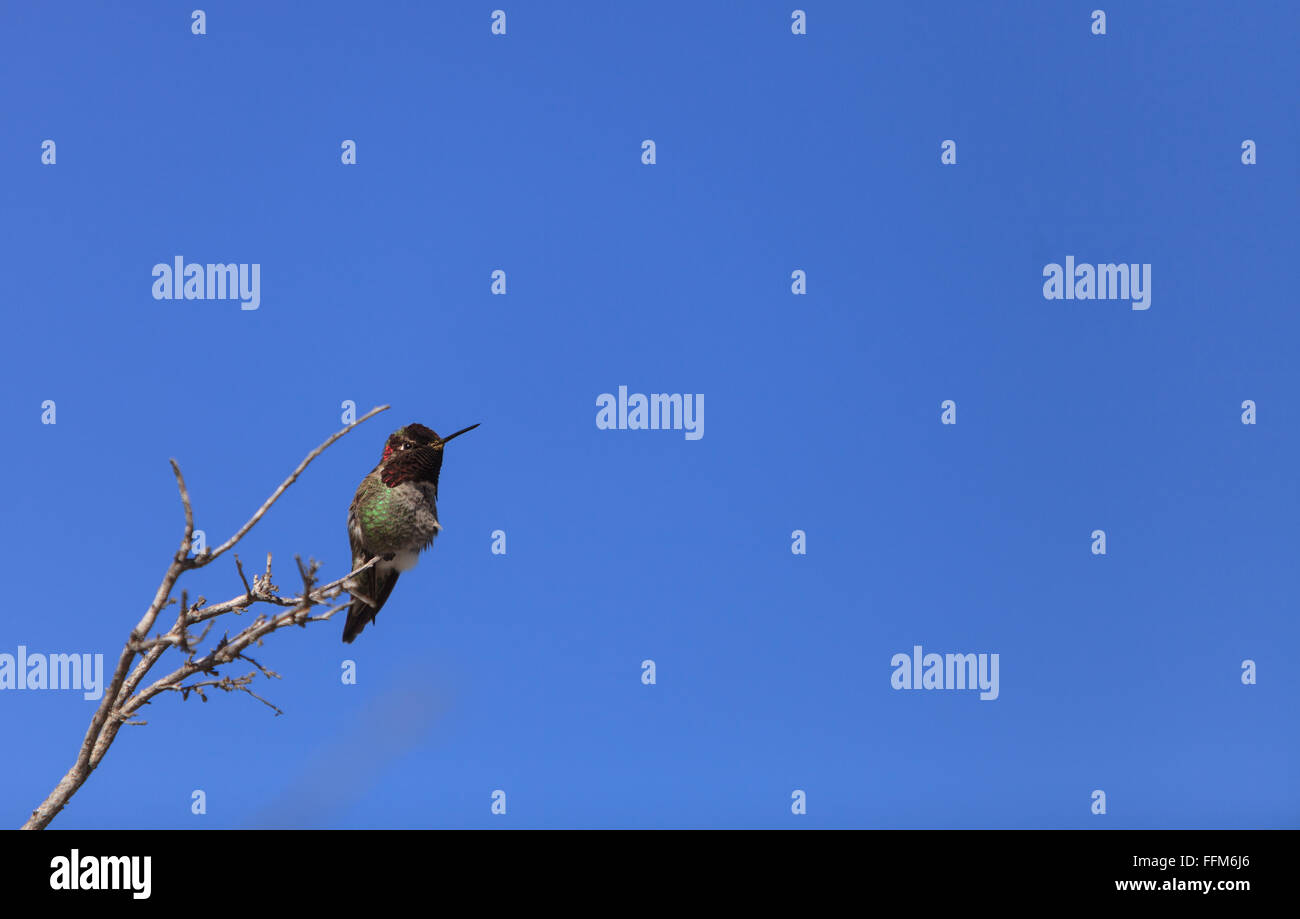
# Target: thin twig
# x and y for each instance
(209, 557)
(123, 696)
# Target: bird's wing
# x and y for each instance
(370, 588)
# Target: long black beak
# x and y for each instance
(460, 432)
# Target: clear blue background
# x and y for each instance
(822, 412)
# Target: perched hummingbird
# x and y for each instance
(394, 515)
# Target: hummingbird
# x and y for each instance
(393, 515)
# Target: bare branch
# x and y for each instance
(226, 684)
(239, 566)
(208, 557)
(123, 696)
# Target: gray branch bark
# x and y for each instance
(123, 698)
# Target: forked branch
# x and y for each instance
(124, 696)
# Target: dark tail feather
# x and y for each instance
(359, 616)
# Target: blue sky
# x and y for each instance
(775, 152)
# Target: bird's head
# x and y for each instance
(414, 436)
